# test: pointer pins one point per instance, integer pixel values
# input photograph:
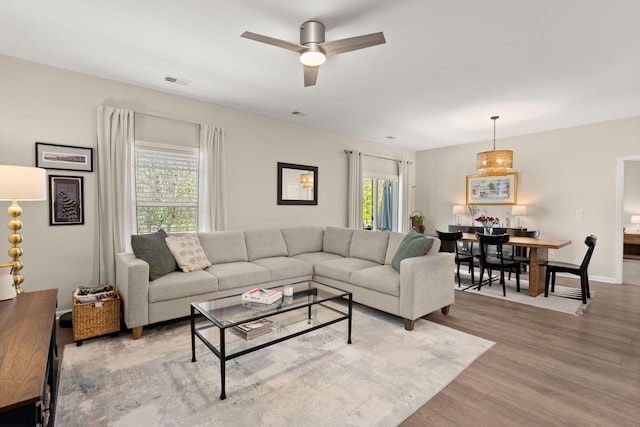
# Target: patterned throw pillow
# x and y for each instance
(188, 253)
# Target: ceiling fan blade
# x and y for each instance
(310, 75)
(353, 43)
(273, 41)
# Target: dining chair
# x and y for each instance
(518, 252)
(493, 260)
(449, 243)
(554, 267)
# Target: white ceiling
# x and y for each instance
(447, 66)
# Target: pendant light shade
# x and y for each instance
(494, 162)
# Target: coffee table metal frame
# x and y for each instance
(307, 295)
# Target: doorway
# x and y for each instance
(628, 195)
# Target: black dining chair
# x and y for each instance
(449, 243)
(554, 267)
(518, 252)
(491, 259)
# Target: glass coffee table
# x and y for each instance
(312, 306)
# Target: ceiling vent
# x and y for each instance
(176, 80)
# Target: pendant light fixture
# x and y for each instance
(495, 162)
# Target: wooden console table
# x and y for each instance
(631, 246)
(28, 359)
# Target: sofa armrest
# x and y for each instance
(132, 280)
(426, 284)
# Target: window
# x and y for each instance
(380, 194)
(166, 187)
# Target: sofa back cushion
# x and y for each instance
(395, 239)
(337, 240)
(265, 244)
(224, 246)
(369, 245)
(303, 240)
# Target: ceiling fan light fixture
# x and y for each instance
(313, 56)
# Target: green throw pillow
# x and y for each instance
(414, 244)
(152, 249)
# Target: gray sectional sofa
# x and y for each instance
(358, 261)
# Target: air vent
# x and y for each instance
(176, 80)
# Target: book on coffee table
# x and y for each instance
(265, 296)
(253, 329)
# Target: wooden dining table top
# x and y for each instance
(529, 242)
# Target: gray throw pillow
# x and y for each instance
(413, 245)
(152, 249)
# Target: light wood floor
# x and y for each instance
(546, 368)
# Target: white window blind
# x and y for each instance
(166, 188)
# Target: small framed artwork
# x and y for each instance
(64, 157)
(492, 190)
(66, 200)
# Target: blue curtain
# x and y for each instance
(385, 212)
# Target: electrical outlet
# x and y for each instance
(552, 253)
(579, 213)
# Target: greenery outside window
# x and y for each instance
(166, 188)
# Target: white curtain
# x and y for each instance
(355, 190)
(114, 163)
(212, 198)
(403, 215)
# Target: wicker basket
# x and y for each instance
(95, 319)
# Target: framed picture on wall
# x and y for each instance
(492, 190)
(66, 200)
(64, 157)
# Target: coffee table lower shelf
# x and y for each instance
(308, 310)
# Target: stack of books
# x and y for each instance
(264, 296)
(253, 329)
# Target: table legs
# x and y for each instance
(536, 271)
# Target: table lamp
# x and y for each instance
(518, 211)
(635, 219)
(457, 211)
(20, 183)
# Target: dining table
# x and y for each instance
(538, 254)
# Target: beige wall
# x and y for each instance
(45, 104)
(560, 172)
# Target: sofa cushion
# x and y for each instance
(238, 274)
(413, 245)
(382, 278)
(265, 244)
(337, 241)
(370, 245)
(178, 285)
(395, 239)
(224, 246)
(301, 240)
(314, 258)
(341, 269)
(285, 268)
(152, 249)
(188, 253)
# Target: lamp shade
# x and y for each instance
(458, 210)
(518, 210)
(22, 183)
(635, 219)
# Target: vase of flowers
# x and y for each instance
(487, 223)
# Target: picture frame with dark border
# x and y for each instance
(64, 157)
(66, 200)
(492, 190)
(291, 188)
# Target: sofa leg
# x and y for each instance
(445, 310)
(136, 332)
(409, 324)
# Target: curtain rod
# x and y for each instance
(378, 157)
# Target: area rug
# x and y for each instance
(317, 379)
(565, 299)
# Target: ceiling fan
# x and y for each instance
(314, 50)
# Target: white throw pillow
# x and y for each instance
(188, 253)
